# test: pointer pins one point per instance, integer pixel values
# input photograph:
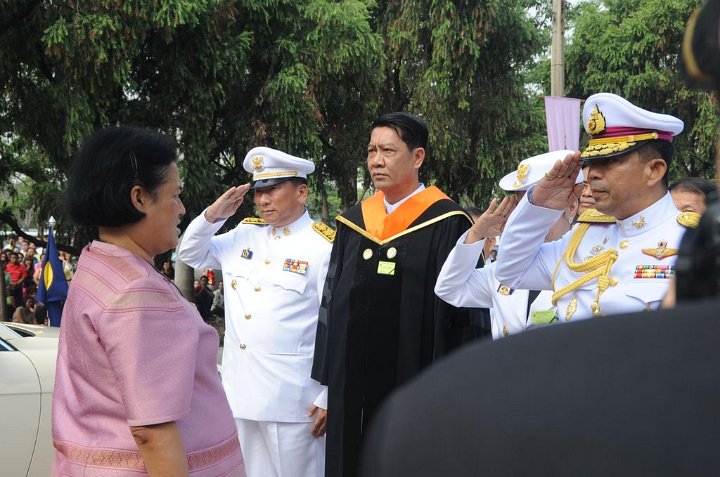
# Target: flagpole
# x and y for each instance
(557, 62)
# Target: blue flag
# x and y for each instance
(53, 285)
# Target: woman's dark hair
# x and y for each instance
(410, 128)
(109, 164)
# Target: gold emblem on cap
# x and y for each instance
(596, 121)
(391, 253)
(258, 163)
(367, 254)
(522, 172)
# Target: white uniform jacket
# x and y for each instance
(644, 246)
(461, 284)
(273, 280)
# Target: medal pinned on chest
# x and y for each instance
(295, 266)
(661, 251)
(247, 254)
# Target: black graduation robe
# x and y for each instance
(380, 322)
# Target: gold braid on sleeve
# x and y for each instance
(595, 267)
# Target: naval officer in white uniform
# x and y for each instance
(461, 284)
(620, 258)
(274, 270)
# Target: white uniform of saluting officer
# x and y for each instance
(274, 269)
(461, 284)
(620, 258)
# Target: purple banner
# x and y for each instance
(562, 116)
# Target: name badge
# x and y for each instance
(543, 317)
(386, 268)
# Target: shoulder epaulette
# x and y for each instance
(327, 232)
(592, 216)
(689, 220)
(254, 221)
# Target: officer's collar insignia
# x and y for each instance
(285, 231)
(661, 251)
(247, 254)
(505, 290)
(596, 121)
(258, 163)
(295, 266)
(689, 219)
(638, 224)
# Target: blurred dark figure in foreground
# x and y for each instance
(630, 394)
(698, 264)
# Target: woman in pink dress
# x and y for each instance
(136, 390)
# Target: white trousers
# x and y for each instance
(281, 449)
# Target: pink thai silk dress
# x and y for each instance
(133, 351)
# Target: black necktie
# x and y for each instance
(531, 298)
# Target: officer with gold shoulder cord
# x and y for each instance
(621, 257)
(273, 269)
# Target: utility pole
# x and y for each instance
(557, 61)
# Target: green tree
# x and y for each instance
(220, 76)
(459, 65)
(631, 48)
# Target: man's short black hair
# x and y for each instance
(110, 163)
(653, 149)
(697, 185)
(410, 128)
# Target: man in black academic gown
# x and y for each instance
(380, 322)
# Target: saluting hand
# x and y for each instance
(558, 189)
(492, 221)
(227, 204)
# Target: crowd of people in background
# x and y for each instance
(22, 262)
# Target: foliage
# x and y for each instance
(458, 65)
(631, 48)
(308, 76)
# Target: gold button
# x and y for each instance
(624, 244)
(391, 253)
(367, 254)
(248, 316)
(267, 261)
(233, 284)
(242, 346)
(613, 282)
(257, 289)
